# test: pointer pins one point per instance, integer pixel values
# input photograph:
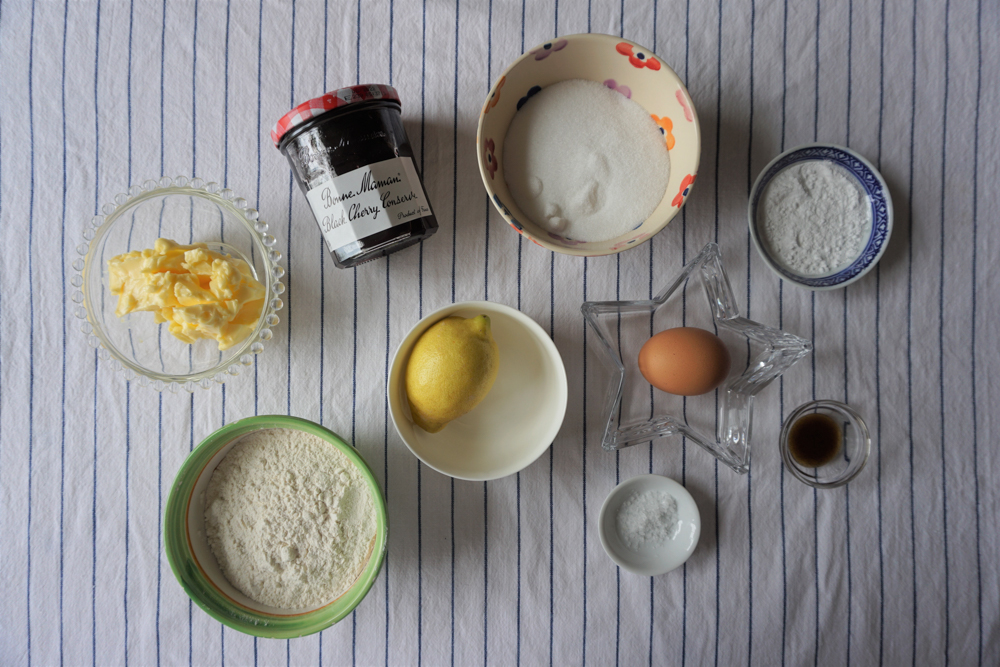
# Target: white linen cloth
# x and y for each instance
(900, 567)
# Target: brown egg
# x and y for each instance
(686, 361)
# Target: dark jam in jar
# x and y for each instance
(353, 161)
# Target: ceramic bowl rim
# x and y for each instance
(534, 328)
(189, 574)
(816, 283)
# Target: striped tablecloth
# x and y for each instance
(900, 567)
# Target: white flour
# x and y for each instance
(814, 218)
(289, 518)
(584, 161)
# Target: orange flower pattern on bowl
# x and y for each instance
(665, 125)
(597, 58)
(495, 96)
(685, 189)
(639, 59)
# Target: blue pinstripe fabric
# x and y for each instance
(909, 338)
(975, 254)
(896, 570)
(62, 393)
(941, 384)
(420, 315)
(878, 366)
(31, 329)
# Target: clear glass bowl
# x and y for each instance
(639, 413)
(187, 211)
(856, 445)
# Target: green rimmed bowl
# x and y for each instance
(198, 572)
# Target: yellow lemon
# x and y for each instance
(451, 369)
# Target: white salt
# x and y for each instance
(814, 218)
(649, 517)
(584, 161)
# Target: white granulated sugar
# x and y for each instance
(814, 218)
(290, 519)
(649, 517)
(584, 161)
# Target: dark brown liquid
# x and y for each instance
(814, 440)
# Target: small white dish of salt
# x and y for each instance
(649, 525)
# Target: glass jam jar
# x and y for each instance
(353, 161)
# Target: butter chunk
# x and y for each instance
(189, 292)
(198, 293)
(226, 279)
(199, 260)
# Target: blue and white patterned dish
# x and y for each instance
(871, 182)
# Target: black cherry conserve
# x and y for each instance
(353, 161)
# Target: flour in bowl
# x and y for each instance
(814, 218)
(584, 161)
(290, 519)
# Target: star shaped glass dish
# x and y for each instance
(638, 413)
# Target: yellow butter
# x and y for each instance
(199, 293)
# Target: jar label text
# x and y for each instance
(365, 201)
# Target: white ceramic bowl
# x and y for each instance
(875, 190)
(517, 420)
(650, 560)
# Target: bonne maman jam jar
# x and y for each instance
(354, 163)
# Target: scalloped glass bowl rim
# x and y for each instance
(218, 373)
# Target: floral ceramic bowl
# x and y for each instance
(624, 67)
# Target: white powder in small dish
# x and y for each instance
(290, 519)
(585, 162)
(644, 518)
(814, 218)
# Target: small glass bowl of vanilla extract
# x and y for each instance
(825, 444)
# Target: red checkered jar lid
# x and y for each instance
(335, 99)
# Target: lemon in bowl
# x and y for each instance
(451, 370)
(517, 419)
